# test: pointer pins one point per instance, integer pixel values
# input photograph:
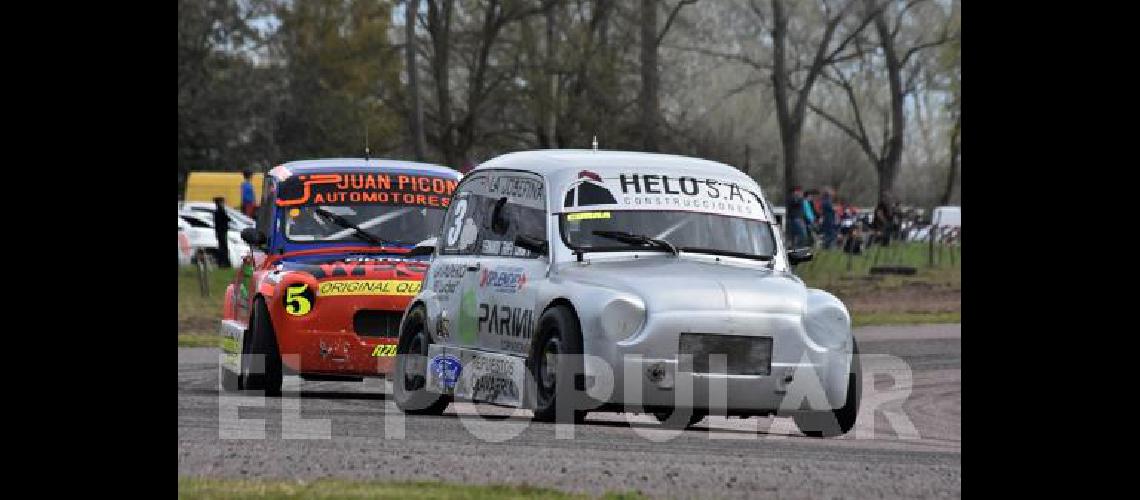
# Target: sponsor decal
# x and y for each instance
(660, 192)
(354, 267)
(588, 215)
(503, 280)
(369, 287)
(506, 320)
(492, 387)
(394, 189)
(384, 351)
(298, 299)
(446, 369)
(442, 327)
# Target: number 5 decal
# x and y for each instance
(298, 299)
(457, 224)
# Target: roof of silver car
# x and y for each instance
(555, 161)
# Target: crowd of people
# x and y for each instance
(818, 215)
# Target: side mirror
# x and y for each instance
(531, 243)
(252, 236)
(425, 247)
(795, 256)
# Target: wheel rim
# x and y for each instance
(548, 369)
(416, 348)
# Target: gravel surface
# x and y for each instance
(350, 430)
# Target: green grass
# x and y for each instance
(199, 340)
(832, 268)
(197, 315)
(904, 318)
(199, 488)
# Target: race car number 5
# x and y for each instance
(298, 300)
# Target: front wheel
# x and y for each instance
(840, 420)
(410, 376)
(261, 359)
(556, 366)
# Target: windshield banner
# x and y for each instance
(645, 191)
(379, 188)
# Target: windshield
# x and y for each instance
(395, 224)
(688, 231)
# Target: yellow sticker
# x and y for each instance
(229, 345)
(588, 215)
(294, 212)
(369, 287)
(384, 351)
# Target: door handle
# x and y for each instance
(474, 267)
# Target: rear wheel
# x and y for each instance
(410, 376)
(261, 359)
(556, 364)
(840, 420)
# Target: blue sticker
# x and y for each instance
(447, 369)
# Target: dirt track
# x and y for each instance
(350, 430)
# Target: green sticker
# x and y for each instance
(468, 328)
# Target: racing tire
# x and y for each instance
(839, 421)
(228, 380)
(551, 380)
(408, 388)
(695, 417)
(261, 346)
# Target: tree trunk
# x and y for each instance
(888, 166)
(439, 26)
(416, 118)
(649, 75)
(551, 105)
(789, 130)
(955, 136)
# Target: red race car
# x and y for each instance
(330, 271)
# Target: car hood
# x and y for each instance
(669, 283)
(346, 266)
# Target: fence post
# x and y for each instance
(203, 283)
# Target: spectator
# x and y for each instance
(809, 217)
(222, 231)
(827, 218)
(248, 198)
(796, 230)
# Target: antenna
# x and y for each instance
(366, 141)
(595, 143)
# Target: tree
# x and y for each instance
(650, 74)
(416, 112)
(895, 56)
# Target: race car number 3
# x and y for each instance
(298, 299)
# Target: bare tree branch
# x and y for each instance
(672, 17)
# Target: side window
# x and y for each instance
(518, 207)
(265, 211)
(465, 216)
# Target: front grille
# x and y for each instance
(744, 355)
(376, 323)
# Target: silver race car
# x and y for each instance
(573, 281)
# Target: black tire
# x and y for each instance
(694, 417)
(841, 420)
(408, 388)
(553, 382)
(228, 380)
(261, 363)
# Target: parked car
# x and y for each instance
(185, 251)
(238, 220)
(199, 228)
(322, 292)
(647, 265)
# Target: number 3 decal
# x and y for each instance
(457, 224)
(298, 299)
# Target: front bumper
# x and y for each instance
(645, 370)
